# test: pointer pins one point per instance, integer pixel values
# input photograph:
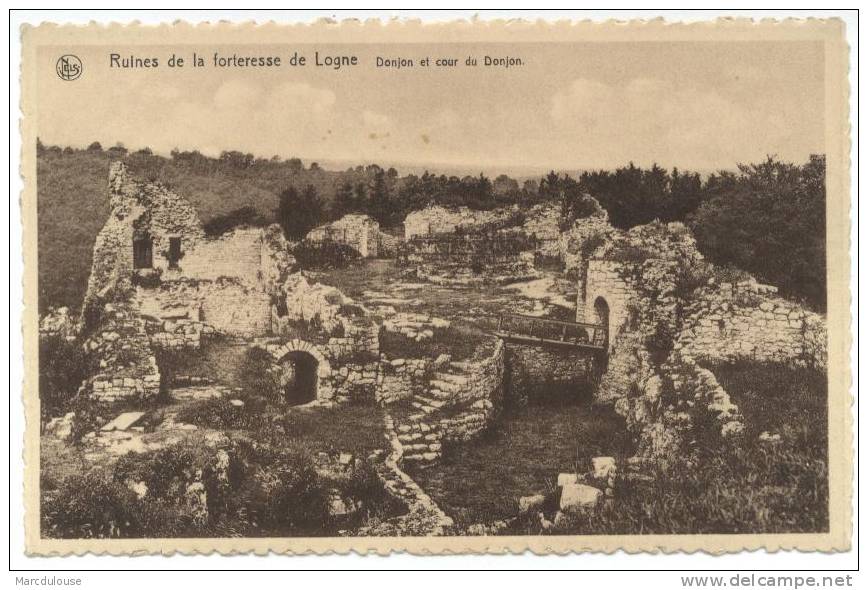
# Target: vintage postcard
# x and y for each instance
(444, 288)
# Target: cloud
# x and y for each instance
(648, 120)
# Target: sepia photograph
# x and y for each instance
(437, 288)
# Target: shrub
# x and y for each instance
(220, 414)
(289, 495)
(62, 368)
(257, 376)
(660, 343)
(147, 278)
(629, 253)
(93, 506)
(366, 490)
(324, 255)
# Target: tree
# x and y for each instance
(95, 147)
(380, 206)
(298, 213)
(504, 185)
(295, 165)
(769, 219)
(343, 202)
(360, 196)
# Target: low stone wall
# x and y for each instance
(388, 245)
(179, 334)
(401, 379)
(459, 402)
(534, 368)
(424, 517)
(417, 326)
(729, 321)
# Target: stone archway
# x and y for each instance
(299, 377)
(304, 371)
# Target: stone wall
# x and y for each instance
(440, 220)
(237, 254)
(138, 209)
(401, 379)
(356, 230)
(610, 282)
(729, 321)
(459, 402)
(534, 370)
(669, 313)
(227, 305)
(233, 308)
(543, 221)
(120, 351)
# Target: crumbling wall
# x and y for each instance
(461, 400)
(120, 350)
(611, 283)
(356, 230)
(236, 254)
(729, 321)
(139, 209)
(440, 220)
(543, 222)
(234, 308)
(669, 313)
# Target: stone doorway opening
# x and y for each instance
(601, 313)
(299, 378)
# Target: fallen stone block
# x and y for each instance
(565, 479)
(124, 421)
(528, 503)
(604, 467)
(577, 496)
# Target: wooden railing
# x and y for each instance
(534, 330)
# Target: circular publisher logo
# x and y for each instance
(68, 67)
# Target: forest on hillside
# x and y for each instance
(766, 218)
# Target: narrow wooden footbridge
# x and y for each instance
(532, 330)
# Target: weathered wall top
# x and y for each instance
(438, 220)
(356, 230)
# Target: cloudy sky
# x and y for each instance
(698, 105)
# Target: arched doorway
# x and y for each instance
(601, 317)
(298, 377)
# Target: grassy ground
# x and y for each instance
(477, 304)
(462, 341)
(523, 455)
(776, 398)
(275, 485)
(740, 485)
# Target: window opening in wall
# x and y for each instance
(143, 252)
